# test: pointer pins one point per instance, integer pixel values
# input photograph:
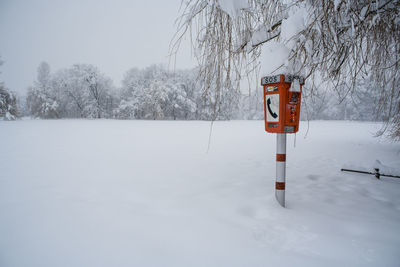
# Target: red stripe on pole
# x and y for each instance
(280, 186)
(281, 157)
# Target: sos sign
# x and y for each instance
(282, 98)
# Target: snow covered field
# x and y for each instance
(146, 193)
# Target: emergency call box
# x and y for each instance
(282, 98)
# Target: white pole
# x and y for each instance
(280, 168)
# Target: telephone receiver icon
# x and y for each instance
(273, 114)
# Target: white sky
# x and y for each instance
(114, 35)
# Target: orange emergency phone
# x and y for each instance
(282, 99)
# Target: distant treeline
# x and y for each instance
(82, 91)
(155, 93)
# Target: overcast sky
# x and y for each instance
(114, 35)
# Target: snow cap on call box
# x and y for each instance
(295, 86)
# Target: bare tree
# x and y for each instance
(342, 42)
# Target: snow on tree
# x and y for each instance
(8, 102)
(79, 91)
(70, 87)
(191, 104)
(155, 93)
(41, 100)
(334, 43)
(97, 89)
(181, 96)
(41, 104)
(129, 95)
(88, 89)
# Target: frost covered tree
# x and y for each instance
(95, 89)
(71, 91)
(334, 43)
(155, 93)
(136, 93)
(8, 102)
(181, 94)
(41, 99)
(129, 95)
(80, 91)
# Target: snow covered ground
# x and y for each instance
(146, 193)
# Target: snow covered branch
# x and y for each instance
(335, 43)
